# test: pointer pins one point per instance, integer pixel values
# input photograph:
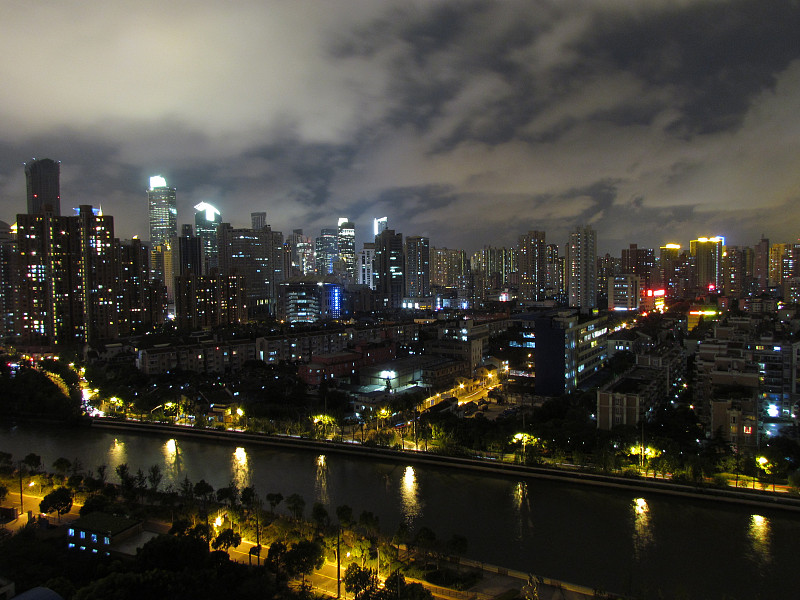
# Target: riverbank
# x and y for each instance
(753, 498)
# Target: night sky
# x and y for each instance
(469, 122)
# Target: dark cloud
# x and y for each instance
(471, 122)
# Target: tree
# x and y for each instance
(62, 465)
(319, 514)
(359, 581)
(344, 514)
(457, 546)
(295, 505)
(94, 503)
(3, 493)
(226, 539)
(59, 500)
(276, 555)
(303, 557)
(274, 500)
(154, 477)
(33, 462)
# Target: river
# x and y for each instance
(615, 540)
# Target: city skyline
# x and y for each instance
(467, 123)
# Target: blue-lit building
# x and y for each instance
(310, 299)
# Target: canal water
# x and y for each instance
(617, 541)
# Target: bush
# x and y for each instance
(720, 480)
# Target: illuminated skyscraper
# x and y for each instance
(582, 268)
(388, 270)
(347, 248)
(380, 224)
(42, 178)
(206, 221)
(366, 261)
(418, 267)
(531, 255)
(163, 211)
(707, 253)
(326, 249)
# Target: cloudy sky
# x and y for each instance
(470, 122)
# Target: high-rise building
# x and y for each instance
(531, 257)
(347, 248)
(326, 251)
(142, 302)
(776, 254)
(300, 250)
(258, 220)
(418, 267)
(163, 210)
(707, 253)
(190, 254)
(449, 268)
(256, 255)
(203, 301)
(623, 293)
(7, 258)
(388, 269)
(554, 273)
(582, 268)
(670, 268)
(366, 262)
(638, 261)
(761, 265)
(206, 220)
(42, 178)
(66, 278)
(733, 271)
(380, 224)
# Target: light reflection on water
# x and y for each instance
(760, 542)
(117, 454)
(409, 496)
(321, 480)
(240, 467)
(642, 527)
(522, 508)
(172, 462)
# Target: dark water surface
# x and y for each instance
(614, 540)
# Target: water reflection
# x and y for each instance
(410, 504)
(321, 481)
(172, 462)
(240, 467)
(642, 527)
(117, 454)
(759, 534)
(522, 508)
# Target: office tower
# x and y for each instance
(761, 265)
(366, 261)
(418, 267)
(707, 253)
(326, 249)
(300, 254)
(638, 261)
(206, 220)
(531, 255)
(258, 256)
(379, 225)
(733, 271)
(163, 265)
(670, 268)
(388, 269)
(258, 220)
(582, 268)
(190, 253)
(42, 179)
(163, 211)
(310, 299)
(347, 248)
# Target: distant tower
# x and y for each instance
(388, 269)
(347, 247)
(418, 267)
(44, 190)
(327, 250)
(206, 221)
(379, 225)
(163, 210)
(531, 259)
(258, 220)
(582, 268)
